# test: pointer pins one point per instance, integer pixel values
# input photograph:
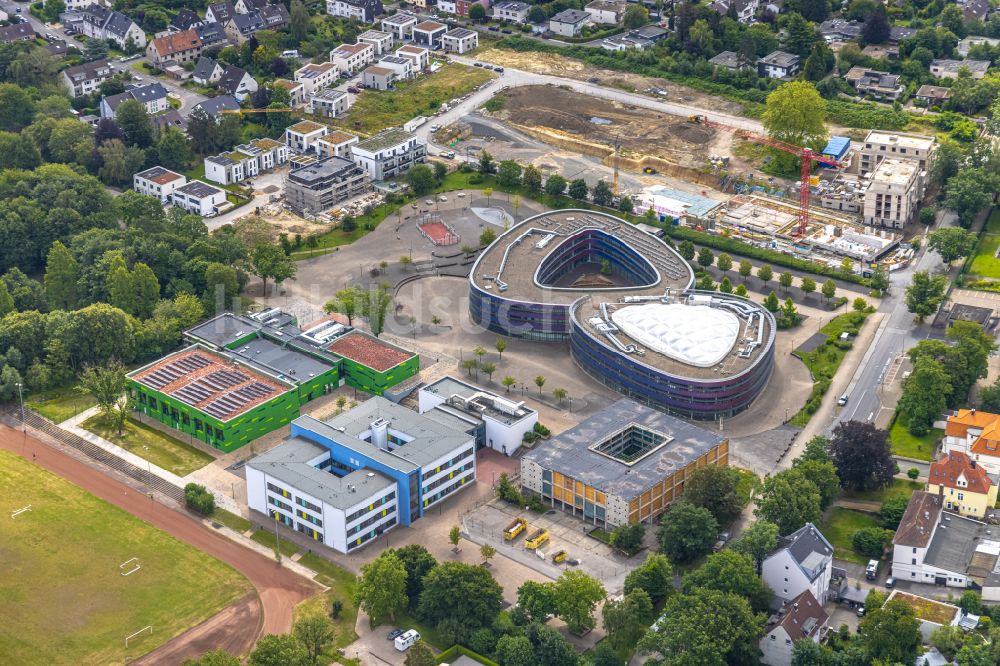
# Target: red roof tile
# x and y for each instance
(368, 351)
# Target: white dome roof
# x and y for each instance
(698, 335)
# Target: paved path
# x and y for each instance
(279, 589)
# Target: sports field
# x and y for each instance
(65, 598)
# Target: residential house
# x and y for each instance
(460, 40)
(625, 43)
(652, 33)
(950, 69)
(379, 40)
(365, 11)
(200, 198)
(237, 82)
(174, 48)
(57, 48)
(840, 30)
(316, 76)
(446, 7)
(937, 547)
(462, 6)
(329, 103)
(270, 153)
(512, 11)
(296, 91)
(729, 60)
(207, 72)
(963, 485)
(569, 22)
(894, 193)
(606, 12)
(898, 33)
(319, 187)
(401, 67)
(220, 12)
(389, 153)
(301, 136)
(970, 42)
(880, 52)
(77, 5)
(168, 118)
(429, 34)
(418, 55)
(158, 182)
(352, 58)
(778, 65)
(932, 95)
(976, 433)
(880, 85)
(245, 161)
(801, 618)
(215, 106)
(378, 78)
(335, 144)
(184, 20)
(84, 79)
(879, 145)
(248, 6)
(212, 35)
(975, 10)
(242, 27)
(802, 562)
(745, 10)
(153, 96)
(99, 22)
(17, 32)
(400, 25)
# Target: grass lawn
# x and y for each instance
(146, 442)
(993, 223)
(231, 520)
(899, 488)
(342, 585)
(910, 446)
(377, 109)
(61, 580)
(266, 537)
(748, 481)
(427, 633)
(985, 262)
(61, 403)
(839, 526)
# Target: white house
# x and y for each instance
(245, 161)
(460, 40)
(455, 402)
(389, 153)
(378, 78)
(402, 68)
(99, 22)
(207, 71)
(158, 182)
(606, 12)
(569, 22)
(379, 40)
(296, 91)
(803, 561)
(301, 136)
(329, 103)
(802, 618)
(152, 96)
(778, 65)
(352, 58)
(86, 78)
(335, 144)
(400, 25)
(418, 55)
(237, 82)
(200, 198)
(365, 11)
(512, 11)
(316, 76)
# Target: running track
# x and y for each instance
(278, 588)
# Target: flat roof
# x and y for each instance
(306, 127)
(369, 351)
(210, 382)
(285, 362)
(337, 137)
(523, 248)
(955, 542)
(894, 171)
(385, 139)
(290, 462)
(429, 26)
(199, 189)
(570, 453)
(426, 439)
(916, 141)
(159, 175)
(450, 386)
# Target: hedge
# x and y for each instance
(448, 655)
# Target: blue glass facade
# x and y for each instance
(535, 321)
(595, 246)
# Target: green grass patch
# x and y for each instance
(899, 488)
(839, 526)
(342, 584)
(745, 486)
(61, 403)
(601, 535)
(984, 261)
(428, 634)
(231, 520)
(265, 537)
(375, 110)
(61, 577)
(910, 446)
(993, 223)
(150, 444)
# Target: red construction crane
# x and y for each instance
(805, 154)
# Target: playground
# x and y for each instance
(118, 577)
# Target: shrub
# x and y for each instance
(628, 538)
(871, 541)
(913, 473)
(541, 430)
(198, 499)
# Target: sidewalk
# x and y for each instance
(72, 425)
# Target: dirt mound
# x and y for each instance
(698, 134)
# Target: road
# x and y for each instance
(278, 588)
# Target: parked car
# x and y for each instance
(498, 68)
(861, 611)
(395, 632)
(353, 89)
(871, 571)
(650, 170)
(890, 582)
(842, 400)
(442, 198)
(435, 128)
(477, 64)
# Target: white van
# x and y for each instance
(290, 53)
(406, 639)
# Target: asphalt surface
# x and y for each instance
(278, 588)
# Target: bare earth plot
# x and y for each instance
(61, 582)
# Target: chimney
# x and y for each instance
(380, 431)
(972, 463)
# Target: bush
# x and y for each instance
(913, 473)
(198, 499)
(541, 430)
(628, 538)
(336, 608)
(507, 491)
(871, 541)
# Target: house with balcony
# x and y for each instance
(158, 182)
(352, 58)
(778, 65)
(335, 144)
(802, 562)
(380, 41)
(329, 103)
(400, 26)
(301, 136)
(200, 198)
(880, 85)
(606, 12)
(460, 40)
(365, 11)
(569, 22)
(296, 91)
(511, 11)
(153, 97)
(319, 187)
(84, 79)
(418, 55)
(389, 153)
(316, 76)
(429, 34)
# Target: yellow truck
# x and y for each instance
(539, 537)
(559, 557)
(515, 528)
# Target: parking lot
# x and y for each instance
(486, 524)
